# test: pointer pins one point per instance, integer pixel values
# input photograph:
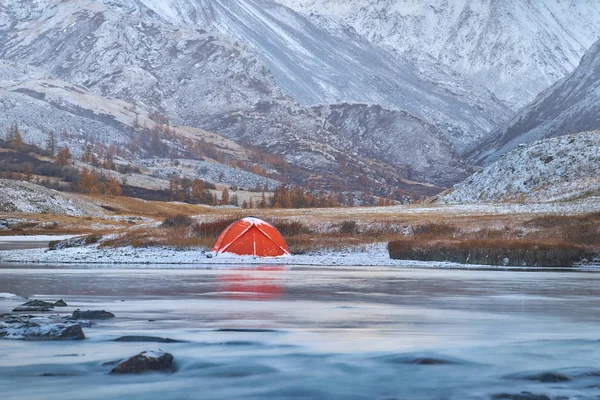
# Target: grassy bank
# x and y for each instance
(544, 241)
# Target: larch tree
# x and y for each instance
(51, 144)
(63, 157)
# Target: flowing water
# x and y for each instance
(314, 333)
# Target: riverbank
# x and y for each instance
(94, 256)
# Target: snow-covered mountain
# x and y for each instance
(571, 105)
(563, 168)
(430, 157)
(516, 48)
(173, 53)
(187, 60)
(315, 65)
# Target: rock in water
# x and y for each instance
(146, 339)
(39, 328)
(152, 360)
(89, 314)
(60, 303)
(38, 303)
(521, 396)
(32, 309)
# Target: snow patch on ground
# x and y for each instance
(164, 257)
(26, 197)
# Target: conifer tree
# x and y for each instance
(17, 141)
(51, 144)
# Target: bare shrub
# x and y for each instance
(435, 230)
(291, 228)
(177, 221)
(211, 229)
(490, 252)
(348, 227)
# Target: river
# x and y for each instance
(314, 333)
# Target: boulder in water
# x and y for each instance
(32, 309)
(91, 314)
(39, 328)
(146, 339)
(147, 361)
(37, 303)
(520, 396)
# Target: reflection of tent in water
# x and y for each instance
(251, 237)
(258, 283)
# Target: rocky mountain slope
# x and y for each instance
(316, 65)
(181, 60)
(556, 169)
(571, 105)
(26, 197)
(515, 48)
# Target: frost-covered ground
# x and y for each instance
(26, 197)
(165, 257)
(208, 171)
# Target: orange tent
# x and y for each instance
(251, 237)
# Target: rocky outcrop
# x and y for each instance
(39, 328)
(147, 361)
(570, 106)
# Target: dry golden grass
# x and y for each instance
(51, 224)
(320, 229)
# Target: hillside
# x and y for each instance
(569, 106)
(26, 197)
(557, 169)
(112, 65)
(318, 65)
(515, 48)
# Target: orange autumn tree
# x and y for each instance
(113, 188)
(63, 157)
(89, 182)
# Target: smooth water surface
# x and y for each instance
(314, 333)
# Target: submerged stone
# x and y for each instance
(91, 314)
(32, 309)
(146, 339)
(544, 377)
(520, 396)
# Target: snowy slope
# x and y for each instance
(416, 148)
(26, 197)
(571, 105)
(169, 53)
(200, 77)
(516, 48)
(563, 168)
(315, 65)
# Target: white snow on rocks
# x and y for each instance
(558, 169)
(515, 48)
